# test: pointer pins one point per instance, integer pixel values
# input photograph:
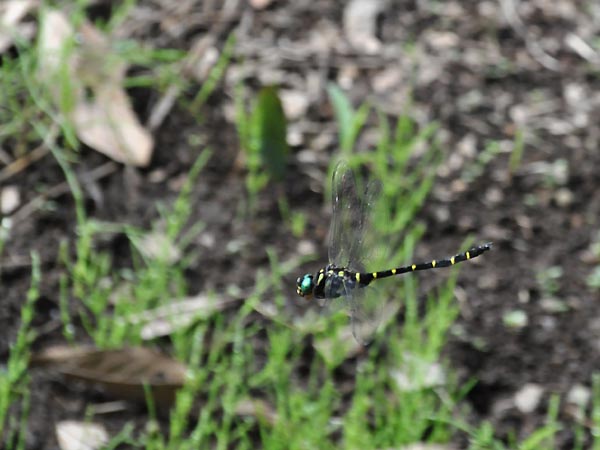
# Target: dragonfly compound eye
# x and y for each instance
(305, 285)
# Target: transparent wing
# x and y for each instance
(351, 246)
(366, 308)
(364, 244)
(346, 220)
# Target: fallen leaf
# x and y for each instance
(344, 345)
(335, 350)
(416, 373)
(166, 319)
(260, 4)
(257, 408)
(156, 245)
(12, 13)
(121, 373)
(424, 446)
(91, 78)
(110, 126)
(73, 435)
(360, 24)
(57, 355)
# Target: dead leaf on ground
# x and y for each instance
(121, 373)
(167, 319)
(417, 373)
(336, 349)
(157, 245)
(12, 12)
(73, 435)
(260, 4)
(258, 408)
(360, 24)
(424, 446)
(57, 355)
(93, 84)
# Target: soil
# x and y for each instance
(483, 71)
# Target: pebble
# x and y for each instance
(528, 398)
(579, 395)
(10, 199)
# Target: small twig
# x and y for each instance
(22, 163)
(5, 158)
(509, 10)
(199, 48)
(62, 188)
(582, 48)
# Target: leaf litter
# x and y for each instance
(98, 106)
(121, 373)
(74, 435)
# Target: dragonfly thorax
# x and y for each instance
(328, 282)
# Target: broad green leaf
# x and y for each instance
(269, 129)
(350, 122)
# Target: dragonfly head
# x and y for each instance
(305, 286)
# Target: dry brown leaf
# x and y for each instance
(360, 24)
(343, 345)
(110, 126)
(336, 349)
(57, 355)
(257, 408)
(165, 320)
(104, 120)
(73, 435)
(424, 446)
(11, 14)
(260, 4)
(417, 373)
(156, 245)
(121, 373)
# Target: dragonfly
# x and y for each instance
(344, 278)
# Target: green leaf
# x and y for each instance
(269, 130)
(350, 122)
(344, 114)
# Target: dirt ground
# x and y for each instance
(485, 71)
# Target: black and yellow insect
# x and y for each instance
(344, 277)
(333, 282)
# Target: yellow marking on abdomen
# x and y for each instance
(413, 267)
(341, 273)
(452, 260)
(433, 263)
(321, 276)
(468, 255)
(374, 274)
(358, 277)
(393, 271)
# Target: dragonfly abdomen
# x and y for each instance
(364, 278)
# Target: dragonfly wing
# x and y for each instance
(366, 309)
(348, 248)
(363, 245)
(347, 217)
